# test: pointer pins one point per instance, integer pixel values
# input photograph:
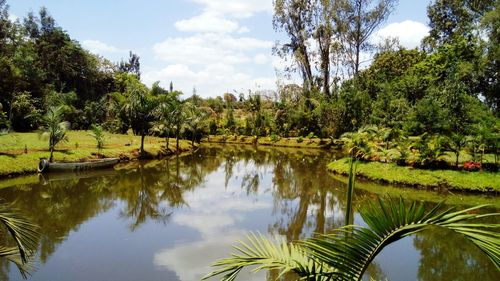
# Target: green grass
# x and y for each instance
(80, 146)
(452, 198)
(393, 174)
(266, 141)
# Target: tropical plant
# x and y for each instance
(455, 143)
(430, 148)
(165, 113)
(97, 133)
(25, 236)
(194, 118)
(179, 118)
(346, 253)
(54, 128)
(140, 108)
(362, 143)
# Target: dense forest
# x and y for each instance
(446, 91)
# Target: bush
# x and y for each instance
(472, 166)
(274, 138)
(490, 167)
(213, 127)
(300, 139)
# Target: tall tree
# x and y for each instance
(450, 19)
(356, 20)
(491, 22)
(323, 33)
(132, 65)
(295, 18)
(140, 109)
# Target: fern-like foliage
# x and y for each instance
(25, 235)
(346, 253)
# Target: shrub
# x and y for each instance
(490, 167)
(472, 166)
(274, 138)
(300, 139)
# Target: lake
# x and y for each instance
(170, 219)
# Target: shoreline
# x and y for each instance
(15, 161)
(435, 180)
(292, 142)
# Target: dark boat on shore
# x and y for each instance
(45, 166)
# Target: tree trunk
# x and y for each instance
(142, 145)
(51, 154)
(167, 139)
(456, 159)
(177, 141)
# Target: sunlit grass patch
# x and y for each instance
(450, 179)
(21, 152)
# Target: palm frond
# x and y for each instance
(25, 235)
(263, 253)
(391, 220)
(346, 253)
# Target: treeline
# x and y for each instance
(42, 66)
(448, 86)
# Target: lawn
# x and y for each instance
(448, 179)
(21, 152)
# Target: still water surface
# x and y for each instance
(169, 219)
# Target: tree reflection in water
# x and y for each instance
(306, 200)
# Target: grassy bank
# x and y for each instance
(433, 179)
(20, 152)
(297, 142)
(365, 190)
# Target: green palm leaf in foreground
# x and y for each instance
(346, 253)
(25, 236)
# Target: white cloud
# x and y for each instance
(409, 33)
(211, 80)
(215, 57)
(207, 22)
(243, 29)
(188, 264)
(215, 216)
(260, 59)
(236, 8)
(98, 47)
(208, 48)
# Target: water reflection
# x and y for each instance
(203, 203)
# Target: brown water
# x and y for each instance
(168, 220)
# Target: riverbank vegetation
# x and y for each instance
(21, 152)
(437, 100)
(391, 173)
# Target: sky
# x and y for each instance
(213, 46)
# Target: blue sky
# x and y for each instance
(213, 45)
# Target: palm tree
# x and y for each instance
(194, 117)
(179, 118)
(456, 142)
(347, 253)
(55, 128)
(140, 108)
(25, 236)
(165, 113)
(360, 144)
(430, 148)
(97, 133)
